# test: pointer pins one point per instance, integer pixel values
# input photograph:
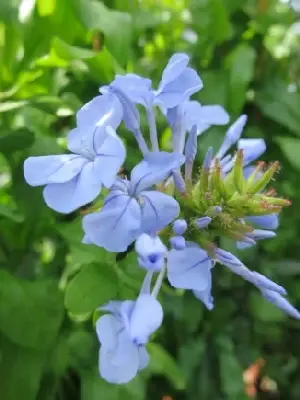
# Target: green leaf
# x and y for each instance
(68, 52)
(281, 105)
(115, 25)
(162, 363)
(240, 64)
(20, 370)
(17, 140)
(263, 310)
(30, 312)
(93, 387)
(231, 371)
(219, 19)
(12, 105)
(8, 212)
(291, 149)
(92, 287)
(46, 7)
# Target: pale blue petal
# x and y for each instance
(86, 240)
(81, 190)
(178, 242)
(281, 302)
(107, 328)
(191, 145)
(145, 319)
(180, 226)
(137, 89)
(270, 221)
(52, 169)
(189, 269)
(203, 116)
(244, 245)
(120, 365)
(118, 308)
(92, 119)
(232, 135)
(114, 228)
(111, 156)
(174, 93)
(151, 252)
(253, 148)
(176, 65)
(143, 357)
(146, 245)
(158, 210)
(131, 116)
(156, 167)
(205, 295)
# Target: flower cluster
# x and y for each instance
(174, 213)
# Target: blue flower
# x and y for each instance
(279, 301)
(123, 335)
(190, 268)
(252, 148)
(178, 82)
(269, 221)
(131, 209)
(151, 252)
(73, 180)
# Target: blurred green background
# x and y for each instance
(54, 54)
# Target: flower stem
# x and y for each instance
(159, 281)
(152, 128)
(141, 142)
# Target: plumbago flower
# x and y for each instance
(174, 216)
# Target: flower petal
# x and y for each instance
(205, 295)
(114, 228)
(154, 168)
(281, 302)
(141, 328)
(176, 65)
(175, 92)
(143, 357)
(138, 89)
(253, 148)
(270, 221)
(232, 135)
(52, 169)
(189, 269)
(92, 119)
(158, 210)
(111, 156)
(107, 328)
(81, 190)
(203, 116)
(121, 364)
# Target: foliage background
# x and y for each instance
(54, 54)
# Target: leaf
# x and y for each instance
(17, 140)
(219, 19)
(116, 26)
(291, 149)
(68, 52)
(93, 387)
(8, 212)
(231, 371)
(281, 105)
(12, 105)
(240, 64)
(20, 370)
(30, 312)
(92, 287)
(162, 363)
(46, 7)
(263, 310)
